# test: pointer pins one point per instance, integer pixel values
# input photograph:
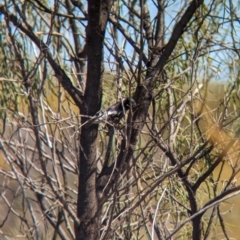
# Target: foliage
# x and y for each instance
(167, 170)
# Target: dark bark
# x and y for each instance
(143, 94)
(89, 103)
(143, 97)
(87, 206)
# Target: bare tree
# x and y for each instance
(156, 174)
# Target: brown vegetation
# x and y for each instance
(168, 169)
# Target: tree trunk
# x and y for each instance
(87, 206)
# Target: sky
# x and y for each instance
(216, 63)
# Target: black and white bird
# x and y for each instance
(114, 113)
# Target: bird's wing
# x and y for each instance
(111, 112)
(109, 115)
(115, 109)
(106, 115)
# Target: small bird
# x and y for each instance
(114, 113)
